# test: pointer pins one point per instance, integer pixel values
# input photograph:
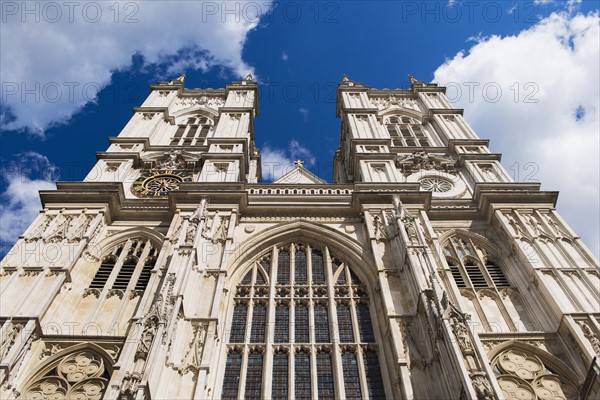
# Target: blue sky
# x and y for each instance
(70, 78)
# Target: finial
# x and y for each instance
(249, 77)
(345, 78)
(412, 79)
(299, 163)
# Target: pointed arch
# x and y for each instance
(80, 371)
(180, 116)
(108, 243)
(402, 112)
(301, 231)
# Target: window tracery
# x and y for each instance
(407, 132)
(80, 375)
(321, 314)
(193, 131)
(522, 376)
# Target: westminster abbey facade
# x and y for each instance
(422, 272)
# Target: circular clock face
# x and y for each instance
(158, 183)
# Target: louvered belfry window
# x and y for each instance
(127, 266)
(299, 314)
(470, 266)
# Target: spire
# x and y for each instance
(345, 78)
(178, 80)
(249, 77)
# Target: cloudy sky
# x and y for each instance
(526, 73)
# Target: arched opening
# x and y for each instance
(301, 326)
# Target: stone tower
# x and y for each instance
(422, 271)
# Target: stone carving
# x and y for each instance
(557, 229)
(589, 335)
(171, 160)
(9, 338)
(404, 102)
(204, 101)
(77, 376)
(57, 229)
(130, 385)
(379, 229)
(421, 160)
(461, 332)
(148, 334)
(216, 229)
(516, 227)
(193, 356)
(482, 386)
(193, 222)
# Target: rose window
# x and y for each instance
(436, 185)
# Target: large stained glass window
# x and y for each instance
(301, 328)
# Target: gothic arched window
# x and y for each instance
(470, 266)
(128, 266)
(192, 131)
(301, 326)
(82, 374)
(407, 132)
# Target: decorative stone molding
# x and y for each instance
(130, 385)
(10, 337)
(421, 160)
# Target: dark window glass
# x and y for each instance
(351, 379)
(280, 377)
(300, 274)
(260, 279)
(326, 389)
(238, 325)
(345, 324)
(247, 279)
(282, 323)
(321, 324)
(365, 326)
(373, 375)
(318, 269)
(283, 268)
(458, 278)
(231, 379)
(301, 331)
(302, 376)
(254, 376)
(259, 320)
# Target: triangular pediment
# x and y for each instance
(300, 176)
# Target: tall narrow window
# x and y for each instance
(351, 379)
(321, 324)
(325, 384)
(318, 269)
(311, 293)
(345, 324)
(365, 326)
(259, 320)
(300, 273)
(254, 376)
(231, 380)
(144, 278)
(301, 331)
(497, 275)
(373, 373)
(282, 324)
(302, 376)
(238, 326)
(103, 272)
(280, 376)
(283, 268)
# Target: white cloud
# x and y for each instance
(304, 112)
(299, 152)
(21, 202)
(53, 67)
(278, 162)
(551, 120)
(284, 56)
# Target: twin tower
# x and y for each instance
(422, 272)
